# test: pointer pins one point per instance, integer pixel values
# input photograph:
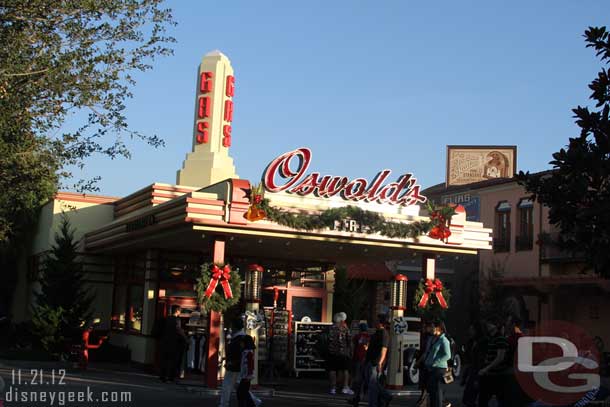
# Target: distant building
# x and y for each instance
(541, 281)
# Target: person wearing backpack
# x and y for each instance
(339, 351)
(239, 367)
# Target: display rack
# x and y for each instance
(305, 357)
(280, 335)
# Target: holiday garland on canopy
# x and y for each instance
(218, 287)
(373, 222)
(431, 299)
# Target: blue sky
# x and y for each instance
(368, 85)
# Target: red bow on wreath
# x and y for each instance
(223, 275)
(435, 287)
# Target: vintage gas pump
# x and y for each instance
(254, 277)
(399, 306)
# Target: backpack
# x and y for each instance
(321, 346)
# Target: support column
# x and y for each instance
(428, 271)
(429, 266)
(149, 309)
(218, 256)
(150, 292)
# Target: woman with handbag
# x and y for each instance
(436, 364)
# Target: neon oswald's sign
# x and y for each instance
(404, 192)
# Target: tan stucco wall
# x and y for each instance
(516, 263)
(84, 217)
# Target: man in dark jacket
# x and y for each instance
(239, 366)
(172, 342)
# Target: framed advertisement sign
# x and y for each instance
(469, 164)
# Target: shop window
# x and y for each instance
(135, 308)
(525, 236)
(119, 307)
(501, 242)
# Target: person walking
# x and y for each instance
(239, 366)
(492, 375)
(426, 341)
(171, 342)
(436, 364)
(361, 345)
(339, 354)
(376, 358)
(474, 357)
(514, 394)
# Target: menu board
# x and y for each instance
(305, 355)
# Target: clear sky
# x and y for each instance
(368, 85)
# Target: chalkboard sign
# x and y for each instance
(306, 357)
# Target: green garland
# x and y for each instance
(372, 222)
(217, 302)
(432, 311)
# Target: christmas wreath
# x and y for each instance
(372, 222)
(218, 287)
(431, 299)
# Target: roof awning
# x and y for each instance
(369, 271)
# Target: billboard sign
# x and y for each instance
(469, 164)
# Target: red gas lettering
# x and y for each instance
(203, 135)
(228, 110)
(206, 84)
(226, 140)
(205, 105)
(230, 89)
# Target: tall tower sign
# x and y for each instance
(209, 162)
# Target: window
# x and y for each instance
(502, 232)
(119, 307)
(128, 307)
(135, 308)
(307, 307)
(525, 236)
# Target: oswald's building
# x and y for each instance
(143, 252)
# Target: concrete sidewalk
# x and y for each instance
(311, 388)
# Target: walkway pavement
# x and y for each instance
(146, 389)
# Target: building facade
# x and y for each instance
(143, 253)
(539, 281)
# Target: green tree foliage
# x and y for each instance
(62, 284)
(47, 326)
(66, 70)
(577, 191)
(492, 292)
(350, 296)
